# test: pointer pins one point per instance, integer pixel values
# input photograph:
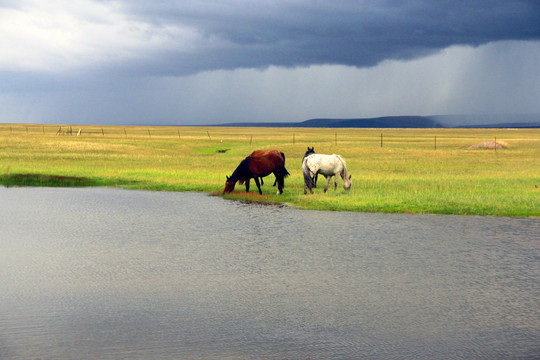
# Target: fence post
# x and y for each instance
(208, 133)
(335, 138)
(125, 133)
(178, 130)
(149, 135)
(381, 140)
(435, 142)
(250, 140)
(293, 138)
(102, 132)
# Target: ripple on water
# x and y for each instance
(123, 274)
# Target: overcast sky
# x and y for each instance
(206, 62)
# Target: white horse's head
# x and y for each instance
(347, 182)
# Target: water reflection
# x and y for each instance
(100, 273)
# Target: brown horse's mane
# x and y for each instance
(242, 171)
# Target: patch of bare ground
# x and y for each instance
(489, 145)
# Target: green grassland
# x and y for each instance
(407, 174)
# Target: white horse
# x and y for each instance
(327, 165)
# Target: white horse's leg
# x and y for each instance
(329, 179)
(335, 181)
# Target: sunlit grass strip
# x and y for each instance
(407, 174)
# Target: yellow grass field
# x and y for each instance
(428, 171)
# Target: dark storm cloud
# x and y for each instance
(238, 34)
(202, 62)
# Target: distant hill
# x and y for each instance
(380, 122)
(436, 121)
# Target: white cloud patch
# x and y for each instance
(58, 36)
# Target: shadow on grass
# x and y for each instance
(9, 180)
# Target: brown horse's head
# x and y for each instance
(229, 185)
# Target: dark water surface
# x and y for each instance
(114, 274)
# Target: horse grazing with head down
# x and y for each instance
(327, 165)
(258, 153)
(259, 164)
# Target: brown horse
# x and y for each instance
(257, 153)
(258, 164)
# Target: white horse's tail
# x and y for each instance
(308, 179)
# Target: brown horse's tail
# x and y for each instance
(285, 172)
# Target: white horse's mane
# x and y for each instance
(345, 171)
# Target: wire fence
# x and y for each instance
(436, 139)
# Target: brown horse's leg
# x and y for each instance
(281, 183)
(247, 184)
(258, 184)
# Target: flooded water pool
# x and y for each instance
(113, 274)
